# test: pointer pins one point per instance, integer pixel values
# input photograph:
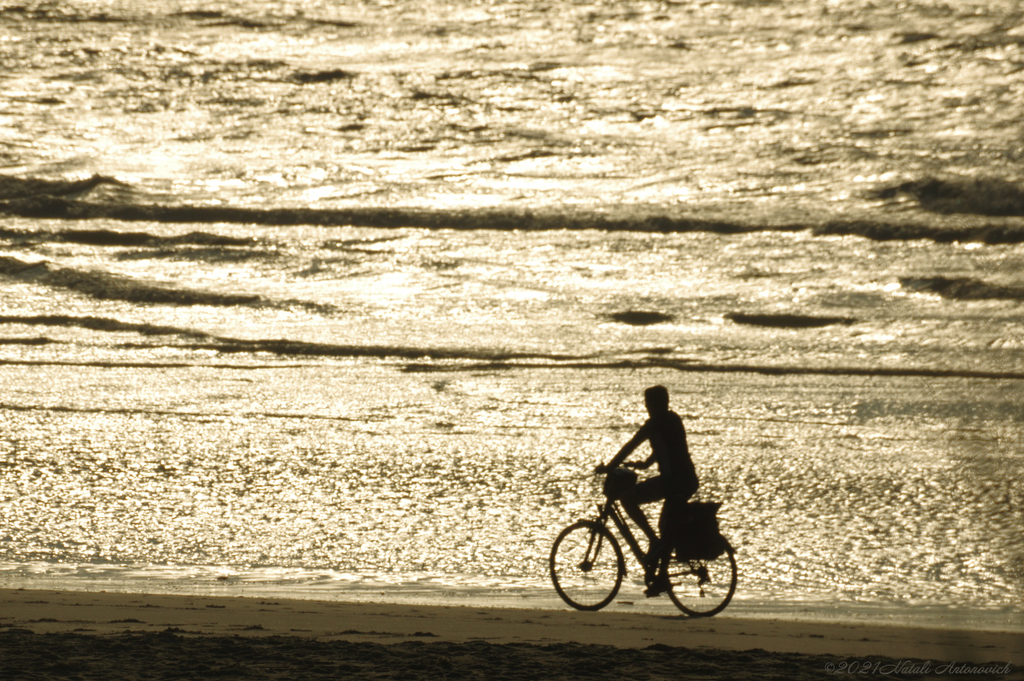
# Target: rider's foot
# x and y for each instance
(652, 559)
(659, 585)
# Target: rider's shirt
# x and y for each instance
(668, 444)
(668, 447)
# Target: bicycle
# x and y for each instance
(587, 566)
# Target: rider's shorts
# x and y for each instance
(655, 489)
(648, 491)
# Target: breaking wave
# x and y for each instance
(977, 196)
(195, 245)
(640, 317)
(786, 321)
(62, 13)
(110, 286)
(275, 346)
(887, 231)
(503, 219)
(100, 324)
(963, 288)
(739, 368)
(108, 237)
(424, 359)
(26, 187)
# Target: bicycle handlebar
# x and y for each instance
(602, 469)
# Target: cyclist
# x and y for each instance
(675, 483)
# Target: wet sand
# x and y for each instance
(64, 634)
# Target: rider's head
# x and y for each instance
(656, 399)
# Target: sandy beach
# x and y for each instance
(83, 635)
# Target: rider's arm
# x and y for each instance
(643, 465)
(626, 450)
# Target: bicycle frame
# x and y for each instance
(610, 510)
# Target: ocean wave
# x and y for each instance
(313, 77)
(53, 12)
(976, 196)
(640, 317)
(52, 206)
(274, 346)
(963, 288)
(201, 415)
(194, 246)
(108, 237)
(100, 324)
(110, 286)
(62, 13)
(218, 18)
(700, 367)
(27, 187)
(999, 37)
(425, 359)
(786, 321)
(991, 234)
(448, 360)
(292, 348)
(58, 207)
(40, 340)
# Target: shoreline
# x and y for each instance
(469, 591)
(25, 612)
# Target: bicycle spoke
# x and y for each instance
(703, 588)
(586, 566)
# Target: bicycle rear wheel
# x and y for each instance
(587, 565)
(702, 588)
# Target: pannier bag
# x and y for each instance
(693, 530)
(618, 481)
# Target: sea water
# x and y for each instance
(347, 300)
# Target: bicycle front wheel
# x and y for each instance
(587, 565)
(702, 588)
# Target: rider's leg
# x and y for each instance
(637, 515)
(646, 492)
(660, 555)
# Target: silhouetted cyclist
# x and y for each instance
(676, 481)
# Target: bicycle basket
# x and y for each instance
(618, 481)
